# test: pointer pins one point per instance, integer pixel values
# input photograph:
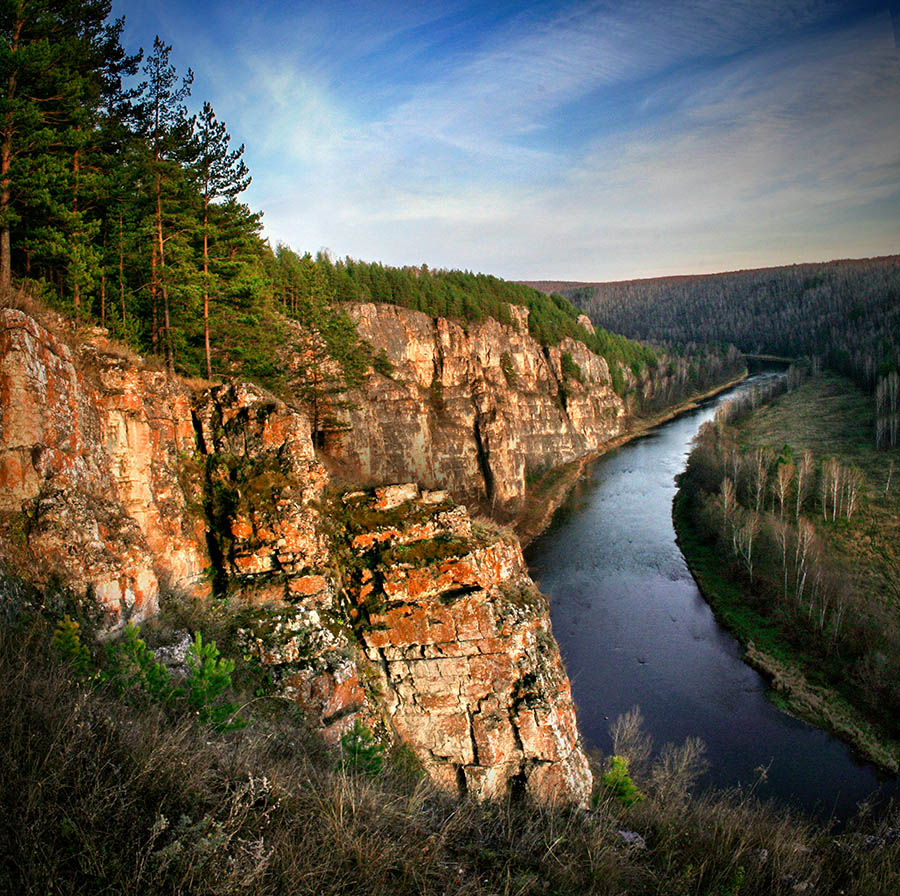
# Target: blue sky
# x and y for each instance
(576, 141)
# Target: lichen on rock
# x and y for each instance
(471, 675)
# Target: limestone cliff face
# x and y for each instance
(88, 482)
(476, 410)
(460, 637)
(387, 606)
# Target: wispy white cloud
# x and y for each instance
(753, 132)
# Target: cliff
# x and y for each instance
(388, 606)
(476, 410)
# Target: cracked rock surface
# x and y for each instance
(390, 605)
(471, 675)
(475, 410)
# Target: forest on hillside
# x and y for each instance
(843, 314)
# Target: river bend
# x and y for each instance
(634, 630)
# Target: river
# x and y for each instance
(634, 630)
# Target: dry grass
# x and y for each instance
(86, 339)
(101, 796)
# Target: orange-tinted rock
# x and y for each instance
(335, 696)
(307, 586)
(473, 410)
(115, 477)
(471, 676)
(60, 492)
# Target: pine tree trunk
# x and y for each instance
(5, 200)
(164, 289)
(121, 270)
(5, 269)
(154, 307)
(76, 283)
(206, 288)
(6, 152)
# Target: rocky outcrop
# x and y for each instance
(460, 636)
(389, 607)
(88, 490)
(475, 410)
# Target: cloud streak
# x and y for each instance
(579, 140)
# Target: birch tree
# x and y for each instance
(784, 476)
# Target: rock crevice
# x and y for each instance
(474, 410)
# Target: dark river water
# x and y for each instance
(634, 630)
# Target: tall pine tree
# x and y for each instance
(52, 58)
(221, 174)
(166, 126)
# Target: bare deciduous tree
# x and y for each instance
(727, 503)
(784, 476)
(805, 469)
(743, 538)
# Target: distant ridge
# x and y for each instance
(551, 286)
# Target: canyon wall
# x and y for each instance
(475, 410)
(386, 606)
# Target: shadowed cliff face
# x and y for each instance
(475, 410)
(389, 607)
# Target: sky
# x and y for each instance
(555, 140)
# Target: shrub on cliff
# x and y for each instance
(619, 783)
(132, 668)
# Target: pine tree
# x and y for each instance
(54, 58)
(221, 174)
(166, 126)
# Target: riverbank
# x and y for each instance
(794, 688)
(547, 492)
(816, 615)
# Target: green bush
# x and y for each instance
(209, 677)
(131, 664)
(619, 782)
(66, 641)
(570, 368)
(509, 371)
(361, 752)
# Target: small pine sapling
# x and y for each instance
(66, 641)
(619, 782)
(131, 664)
(209, 677)
(361, 752)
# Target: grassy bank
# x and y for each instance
(796, 678)
(824, 630)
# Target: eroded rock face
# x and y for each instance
(470, 674)
(272, 549)
(151, 446)
(474, 411)
(390, 606)
(62, 516)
